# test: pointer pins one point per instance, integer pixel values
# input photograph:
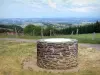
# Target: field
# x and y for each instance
(82, 38)
(12, 55)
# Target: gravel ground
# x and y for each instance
(95, 46)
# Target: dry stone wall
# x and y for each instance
(57, 55)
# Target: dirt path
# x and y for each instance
(95, 46)
(18, 39)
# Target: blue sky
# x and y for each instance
(49, 8)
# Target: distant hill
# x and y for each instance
(21, 21)
(10, 28)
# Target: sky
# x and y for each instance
(49, 8)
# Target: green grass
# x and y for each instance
(82, 38)
(13, 53)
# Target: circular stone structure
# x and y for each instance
(57, 53)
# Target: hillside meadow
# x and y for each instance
(13, 54)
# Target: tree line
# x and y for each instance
(50, 30)
(82, 29)
(37, 30)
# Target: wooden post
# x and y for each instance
(93, 36)
(16, 31)
(77, 32)
(50, 32)
(33, 32)
(72, 33)
(41, 32)
(53, 31)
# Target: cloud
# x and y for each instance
(52, 4)
(32, 3)
(82, 2)
(62, 5)
(84, 6)
(52, 7)
(83, 9)
(88, 9)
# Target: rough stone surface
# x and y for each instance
(57, 55)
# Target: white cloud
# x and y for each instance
(30, 3)
(62, 5)
(84, 6)
(79, 9)
(85, 9)
(83, 2)
(52, 4)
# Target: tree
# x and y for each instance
(32, 30)
(8, 28)
(18, 28)
(29, 29)
(83, 29)
(37, 30)
(97, 27)
(47, 30)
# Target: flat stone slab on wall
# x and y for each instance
(57, 53)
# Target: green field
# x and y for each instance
(13, 53)
(82, 38)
